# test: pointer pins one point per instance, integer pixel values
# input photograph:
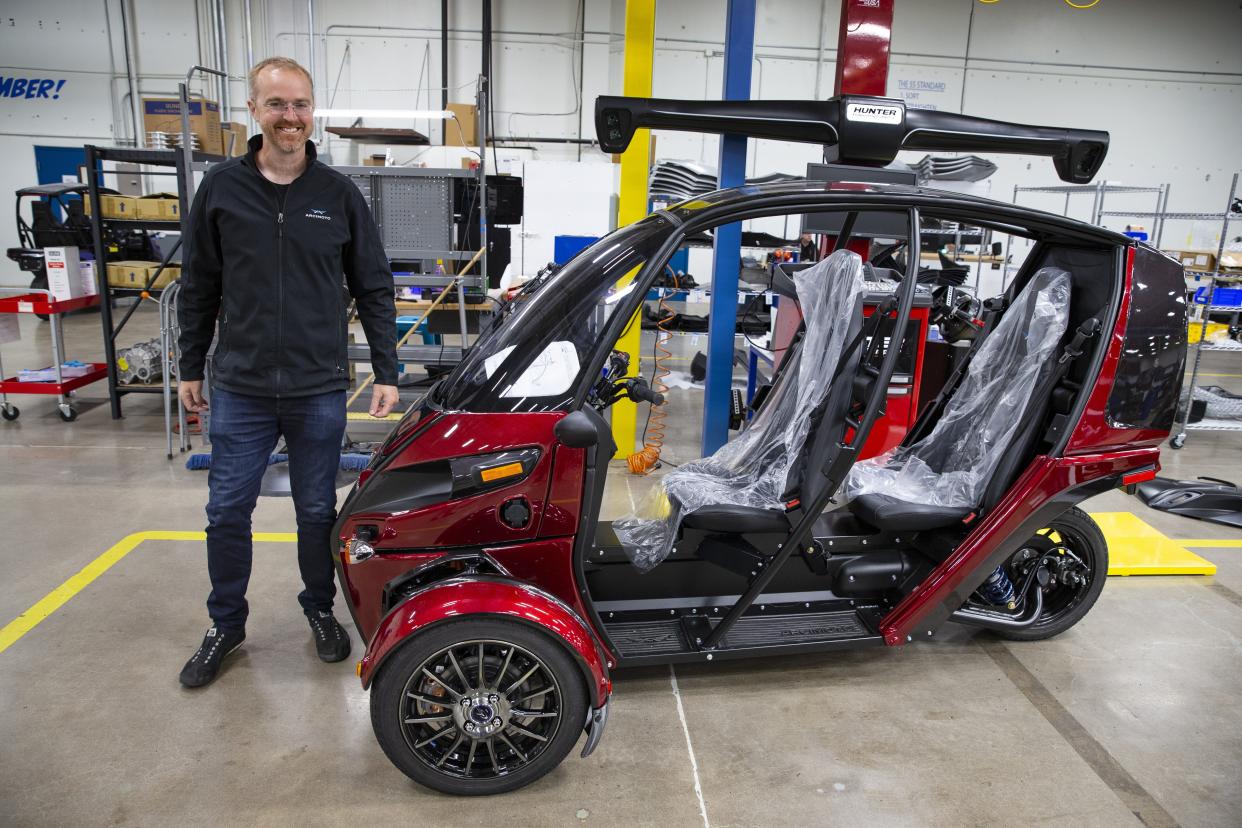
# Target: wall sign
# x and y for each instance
(11, 87)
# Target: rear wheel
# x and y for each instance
(478, 707)
(1076, 555)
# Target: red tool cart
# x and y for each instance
(41, 302)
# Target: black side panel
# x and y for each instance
(1149, 374)
(1205, 499)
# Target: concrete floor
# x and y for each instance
(1131, 717)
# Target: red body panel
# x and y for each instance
(365, 582)
(470, 521)
(540, 555)
(461, 597)
(1095, 432)
(1095, 449)
(1045, 478)
(564, 502)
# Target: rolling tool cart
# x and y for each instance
(41, 302)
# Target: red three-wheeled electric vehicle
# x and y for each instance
(495, 603)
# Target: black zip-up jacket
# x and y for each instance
(275, 269)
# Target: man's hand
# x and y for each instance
(383, 399)
(191, 394)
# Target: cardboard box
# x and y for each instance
(115, 206)
(375, 161)
(461, 132)
(128, 274)
(233, 137)
(158, 207)
(64, 276)
(1195, 259)
(167, 276)
(164, 115)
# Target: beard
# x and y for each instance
(287, 141)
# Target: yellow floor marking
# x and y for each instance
(58, 597)
(362, 415)
(1135, 547)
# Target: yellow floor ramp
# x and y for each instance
(1135, 547)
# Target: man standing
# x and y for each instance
(275, 244)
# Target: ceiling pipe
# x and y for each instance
(222, 56)
(131, 77)
(249, 26)
(317, 128)
(444, 54)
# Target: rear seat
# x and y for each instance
(986, 429)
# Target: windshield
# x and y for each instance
(534, 357)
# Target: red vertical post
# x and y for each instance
(862, 47)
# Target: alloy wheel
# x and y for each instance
(480, 709)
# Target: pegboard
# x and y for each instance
(417, 213)
(413, 209)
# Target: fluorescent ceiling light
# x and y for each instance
(396, 114)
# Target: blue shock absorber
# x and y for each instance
(998, 589)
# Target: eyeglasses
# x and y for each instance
(299, 107)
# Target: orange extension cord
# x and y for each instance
(645, 459)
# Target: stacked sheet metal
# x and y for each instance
(961, 168)
(681, 180)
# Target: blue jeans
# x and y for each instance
(244, 432)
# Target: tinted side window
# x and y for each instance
(1149, 375)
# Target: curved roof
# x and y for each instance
(869, 195)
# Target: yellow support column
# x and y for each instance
(632, 206)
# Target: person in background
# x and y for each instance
(808, 248)
(275, 244)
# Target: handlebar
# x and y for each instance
(640, 391)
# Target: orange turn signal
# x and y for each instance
(501, 472)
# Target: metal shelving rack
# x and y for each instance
(1098, 192)
(173, 163)
(1179, 438)
(1101, 189)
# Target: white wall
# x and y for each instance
(82, 44)
(1164, 78)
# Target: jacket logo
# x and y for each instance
(319, 214)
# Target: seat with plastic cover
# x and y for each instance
(945, 477)
(745, 485)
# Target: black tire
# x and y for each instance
(70, 417)
(506, 759)
(1065, 605)
(10, 412)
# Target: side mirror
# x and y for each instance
(576, 430)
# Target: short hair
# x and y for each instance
(277, 63)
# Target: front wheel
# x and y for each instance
(1078, 555)
(478, 707)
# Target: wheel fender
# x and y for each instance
(458, 598)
